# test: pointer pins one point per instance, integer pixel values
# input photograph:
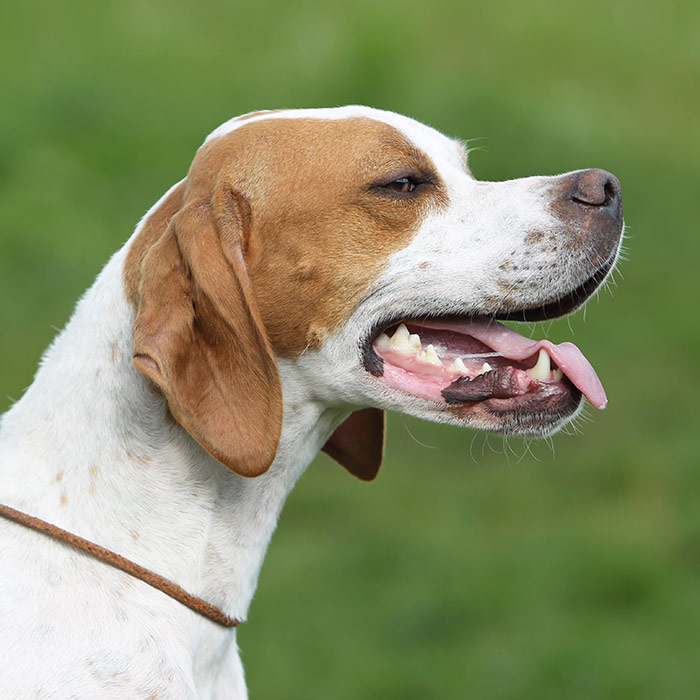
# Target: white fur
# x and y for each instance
(87, 448)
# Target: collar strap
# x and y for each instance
(108, 557)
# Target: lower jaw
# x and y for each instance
(537, 413)
(532, 414)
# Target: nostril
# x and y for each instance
(596, 188)
(612, 191)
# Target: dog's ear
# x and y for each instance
(199, 337)
(358, 443)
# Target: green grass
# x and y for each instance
(464, 571)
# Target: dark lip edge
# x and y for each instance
(565, 387)
(563, 306)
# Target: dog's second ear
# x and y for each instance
(199, 337)
(358, 443)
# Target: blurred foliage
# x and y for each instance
(472, 567)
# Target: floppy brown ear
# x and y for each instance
(198, 335)
(358, 443)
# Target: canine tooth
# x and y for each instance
(486, 367)
(401, 332)
(414, 341)
(458, 366)
(557, 374)
(540, 372)
(429, 356)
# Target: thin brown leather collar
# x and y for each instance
(108, 557)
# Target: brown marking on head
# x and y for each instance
(64, 499)
(293, 208)
(319, 235)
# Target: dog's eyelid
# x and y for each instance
(403, 182)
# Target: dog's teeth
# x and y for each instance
(414, 341)
(486, 367)
(557, 374)
(383, 341)
(429, 356)
(401, 332)
(540, 372)
(400, 341)
(458, 366)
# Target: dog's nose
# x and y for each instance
(596, 188)
(589, 205)
(591, 200)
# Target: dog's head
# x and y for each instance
(356, 244)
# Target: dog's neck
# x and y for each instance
(91, 448)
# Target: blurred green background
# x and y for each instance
(471, 568)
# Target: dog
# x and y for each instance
(314, 269)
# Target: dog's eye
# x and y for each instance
(403, 185)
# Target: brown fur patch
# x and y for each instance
(318, 235)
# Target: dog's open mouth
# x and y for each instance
(465, 360)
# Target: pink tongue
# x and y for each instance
(570, 360)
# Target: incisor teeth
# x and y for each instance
(486, 367)
(540, 372)
(458, 366)
(429, 356)
(557, 374)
